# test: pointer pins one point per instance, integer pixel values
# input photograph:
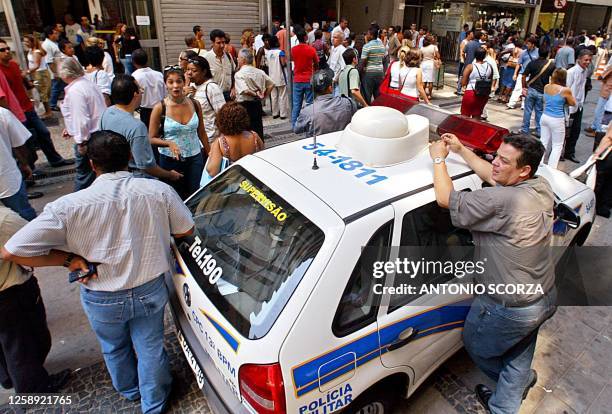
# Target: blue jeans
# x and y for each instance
(600, 109)
(300, 90)
(57, 87)
(501, 341)
(130, 327)
(460, 76)
(127, 64)
(190, 167)
(84, 174)
(19, 203)
(533, 101)
(42, 137)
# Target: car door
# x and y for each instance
(419, 329)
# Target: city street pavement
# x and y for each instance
(573, 354)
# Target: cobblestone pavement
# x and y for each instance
(573, 354)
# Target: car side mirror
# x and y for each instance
(564, 213)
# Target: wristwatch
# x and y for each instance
(68, 259)
(438, 160)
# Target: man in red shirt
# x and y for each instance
(305, 62)
(41, 137)
(8, 99)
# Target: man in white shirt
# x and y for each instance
(221, 65)
(53, 58)
(13, 136)
(336, 62)
(151, 82)
(82, 108)
(576, 81)
(343, 28)
(311, 34)
(252, 86)
(71, 27)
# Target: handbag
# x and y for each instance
(483, 86)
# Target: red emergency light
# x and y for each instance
(478, 135)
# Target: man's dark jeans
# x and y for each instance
(40, 138)
(84, 174)
(371, 84)
(255, 111)
(25, 340)
(574, 133)
(57, 87)
(20, 204)
(190, 167)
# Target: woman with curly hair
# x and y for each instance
(235, 139)
(406, 76)
(247, 40)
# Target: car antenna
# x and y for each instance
(315, 166)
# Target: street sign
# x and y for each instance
(559, 4)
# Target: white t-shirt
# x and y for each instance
(101, 80)
(53, 52)
(43, 65)
(405, 77)
(347, 31)
(107, 65)
(259, 43)
(152, 82)
(71, 32)
(12, 135)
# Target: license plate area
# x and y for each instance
(191, 360)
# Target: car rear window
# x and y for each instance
(250, 249)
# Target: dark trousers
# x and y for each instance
(41, 138)
(255, 111)
(190, 167)
(603, 182)
(371, 84)
(574, 133)
(84, 174)
(57, 87)
(25, 340)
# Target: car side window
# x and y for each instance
(358, 305)
(429, 232)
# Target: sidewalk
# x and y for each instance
(573, 355)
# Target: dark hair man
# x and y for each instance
(371, 62)
(199, 35)
(126, 94)
(221, 64)
(124, 224)
(306, 61)
(576, 80)
(332, 113)
(349, 82)
(528, 55)
(565, 55)
(511, 224)
(152, 84)
(536, 76)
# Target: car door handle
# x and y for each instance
(404, 338)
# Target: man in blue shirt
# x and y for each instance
(565, 55)
(463, 34)
(528, 55)
(119, 118)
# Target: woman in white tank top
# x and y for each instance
(406, 76)
(38, 68)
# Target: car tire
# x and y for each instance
(375, 401)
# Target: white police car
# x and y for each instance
(270, 307)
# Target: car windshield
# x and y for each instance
(250, 250)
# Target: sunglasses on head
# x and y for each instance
(5, 49)
(172, 67)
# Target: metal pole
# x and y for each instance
(288, 53)
(338, 10)
(269, 11)
(14, 29)
(569, 24)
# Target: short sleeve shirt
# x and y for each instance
(7, 92)
(11, 274)
(53, 52)
(533, 68)
(101, 79)
(12, 135)
(564, 57)
(14, 78)
(373, 53)
(211, 99)
(349, 79)
(123, 123)
(304, 57)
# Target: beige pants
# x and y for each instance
(280, 102)
(43, 77)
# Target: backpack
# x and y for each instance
(483, 86)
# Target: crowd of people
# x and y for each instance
(197, 117)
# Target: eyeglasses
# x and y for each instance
(172, 67)
(5, 49)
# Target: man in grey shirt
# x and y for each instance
(511, 224)
(328, 113)
(565, 57)
(124, 225)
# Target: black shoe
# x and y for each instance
(58, 380)
(283, 117)
(7, 385)
(534, 374)
(34, 194)
(63, 163)
(572, 158)
(276, 117)
(483, 393)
